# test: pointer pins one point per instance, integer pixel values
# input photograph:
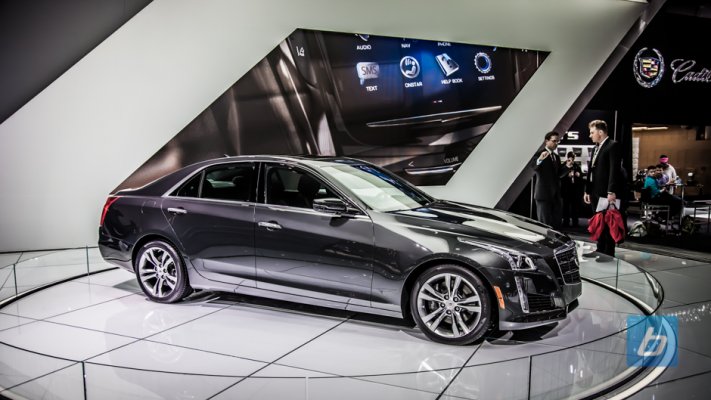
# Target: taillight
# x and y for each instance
(109, 202)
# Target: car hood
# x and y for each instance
(485, 224)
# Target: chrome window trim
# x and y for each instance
(219, 201)
(180, 183)
(302, 210)
(168, 195)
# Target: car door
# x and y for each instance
(304, 252)
(212, 215)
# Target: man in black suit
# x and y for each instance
(547, 192)
(571, 188)
(604, 178)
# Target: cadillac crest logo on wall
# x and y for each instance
(648, 67)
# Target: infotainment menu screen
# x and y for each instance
(382, 78)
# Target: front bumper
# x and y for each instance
(534, 298)
(531, 320)
(542, 308)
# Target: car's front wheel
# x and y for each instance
(161, 273)
(451, 305)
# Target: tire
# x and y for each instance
(160, 272)
(451, 305)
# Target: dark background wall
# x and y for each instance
(679, 34)
(679, 31)
(676, 37)
(41, 39)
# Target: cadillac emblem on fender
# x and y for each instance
(648, 67)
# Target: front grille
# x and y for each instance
(574, 276)
(567, 259)
(539, 302)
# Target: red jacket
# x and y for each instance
(613, 219)
(610, 218)
(596, 225)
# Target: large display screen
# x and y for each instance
(381, 77)
(416, 107)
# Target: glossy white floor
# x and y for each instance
(98, 337)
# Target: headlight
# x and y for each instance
(517, 260)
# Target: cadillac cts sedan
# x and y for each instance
(340, 233)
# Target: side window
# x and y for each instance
(190, 188)
(293, 187)
(229, 182)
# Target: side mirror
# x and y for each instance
(330, 205)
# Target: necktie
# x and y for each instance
(597, 150)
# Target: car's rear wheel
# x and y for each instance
(161, 273)
(451, 305)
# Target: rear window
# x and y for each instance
(229, 182)
(190, 188)
(223, 182)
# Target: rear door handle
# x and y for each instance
(177, 211)
(269, 225)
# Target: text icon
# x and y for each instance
(367, 70)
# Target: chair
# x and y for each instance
(654, 213)
(275, 189)
(242, 187)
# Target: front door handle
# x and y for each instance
(177, 211)
(269, 225)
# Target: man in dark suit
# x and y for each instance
(604, 177)
(571, 188)
(546, 164)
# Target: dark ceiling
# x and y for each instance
(692, 8)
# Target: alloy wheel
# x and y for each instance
(158, 272)
(449, 305)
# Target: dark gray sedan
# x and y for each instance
(340, 233)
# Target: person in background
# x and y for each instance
(658, 196)
(571, 184)
(546, 164)
(651, 182)
(662, 180)
(604, 179)
(669, 176)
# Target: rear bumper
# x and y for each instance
(115, 251)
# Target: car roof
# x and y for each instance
(312, 160)
(304, 158)
(161, 185)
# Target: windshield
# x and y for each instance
(376, 188)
